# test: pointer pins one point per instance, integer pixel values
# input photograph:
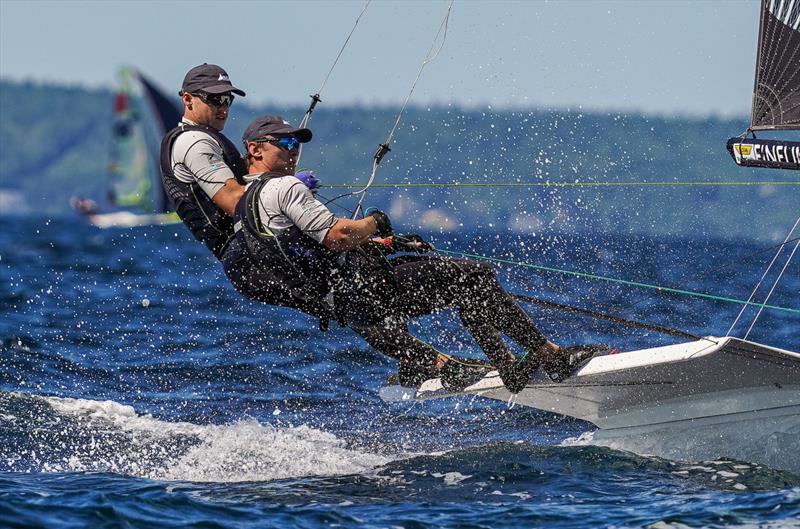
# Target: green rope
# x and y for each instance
(575, 184)
(622, 281)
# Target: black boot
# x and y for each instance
(458, 373)
(569, 360)
(516, 376)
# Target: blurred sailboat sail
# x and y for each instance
(142, 115)
(776, 94)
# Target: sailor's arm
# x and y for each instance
(347, 234)
(353, 233)
(204, 159)
(314, 219)
(228, 196)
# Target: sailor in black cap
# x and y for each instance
(342, 263)
(203, 175)
(194, 153)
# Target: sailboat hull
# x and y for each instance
(693, 390)
(127, 219)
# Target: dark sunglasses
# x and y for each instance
(288, 143)
(214, 100)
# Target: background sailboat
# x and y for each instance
(142, 115)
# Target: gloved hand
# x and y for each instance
(307, 177)
(411, 243)
(405, 243)
(382, 220)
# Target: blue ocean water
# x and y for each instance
(137, 389)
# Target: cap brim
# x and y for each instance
(304, 135)
(223, 88)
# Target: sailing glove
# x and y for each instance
(307, 177)
(382, 220)
(412, 243)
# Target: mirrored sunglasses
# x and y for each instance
(288, 143)
(215, 100)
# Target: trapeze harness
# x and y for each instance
(207, 222)
(358, 285)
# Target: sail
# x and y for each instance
(129, 167)
(166, 115)
(142, 115)
(776, 96)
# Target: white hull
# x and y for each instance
(692, 393)
(126, 219)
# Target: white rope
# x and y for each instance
(315, 97)
(430, 56)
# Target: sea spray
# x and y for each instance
(105, 436)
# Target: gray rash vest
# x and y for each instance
(197, 157)
(285, 201)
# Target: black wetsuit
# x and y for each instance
(373, 295)
(431, 284)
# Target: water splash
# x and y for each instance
(53, 434)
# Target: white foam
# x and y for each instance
(114, 438)
(451, 478)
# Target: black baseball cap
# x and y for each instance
(265, 125)
(209, 78)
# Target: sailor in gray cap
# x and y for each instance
(343, 262)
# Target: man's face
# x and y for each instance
(210, 109)
(279, 153)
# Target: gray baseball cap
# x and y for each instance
(265, 125)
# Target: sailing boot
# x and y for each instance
(458, 373)
(411, 374)
(568, 360)
(516, 376)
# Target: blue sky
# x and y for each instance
(663, 57)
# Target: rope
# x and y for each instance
(622, 281)
(384, 147)
(573, 184)
(315, 97)
(739, 260)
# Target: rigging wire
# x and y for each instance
(384, 147)
(775, 284)
(621, 281)
(769, 266)
(315, 97)
(607, 317)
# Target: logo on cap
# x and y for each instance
(223, 77)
